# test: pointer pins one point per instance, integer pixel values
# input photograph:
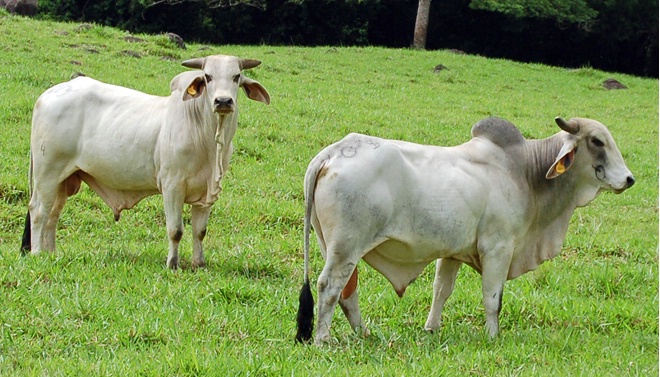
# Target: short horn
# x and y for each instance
(572, 126)
(249, 63)
(197, 63)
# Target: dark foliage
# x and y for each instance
(623, 37)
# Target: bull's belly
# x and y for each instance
(401, 262)
(402, 252)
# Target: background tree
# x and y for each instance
(421, 24)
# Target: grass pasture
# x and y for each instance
(105, 304)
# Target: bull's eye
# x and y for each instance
(209, 78)
(236, 78)
(596, 141)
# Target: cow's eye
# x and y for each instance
(597, 142)
(209, 78)
(236, 78)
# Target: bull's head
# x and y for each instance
(589, 147)
(220, 77)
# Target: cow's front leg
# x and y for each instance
(443, 285)
(495, 264)
(200, 218)
(173, 200)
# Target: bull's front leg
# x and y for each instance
(443, 285)
(173, 199)
(495, 264)
(199, 219)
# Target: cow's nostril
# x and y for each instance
(223, 102)
(630, 180)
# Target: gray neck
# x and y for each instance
(552, 198)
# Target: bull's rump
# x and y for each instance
(107, 131)
(407, 203)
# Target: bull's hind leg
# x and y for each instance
(199, 219)
(443, 285)
(350, 305)
(332, 281)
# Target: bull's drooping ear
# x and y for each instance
(195, 89)
(254, 90)
(197, 63)
(564, 160)
(572, 126)
(249, 63)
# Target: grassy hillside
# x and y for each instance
(105, 304)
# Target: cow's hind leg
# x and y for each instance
(200, 218)
(45, 209)
(443, 285)
(350, 305)
(332, 281)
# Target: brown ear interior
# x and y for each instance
(195, 89)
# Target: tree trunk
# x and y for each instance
(421, 24)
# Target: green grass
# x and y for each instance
(105, 304)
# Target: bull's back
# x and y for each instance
(421, 196)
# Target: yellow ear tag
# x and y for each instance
(191, 90)
(560, 167)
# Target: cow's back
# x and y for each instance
(85, 101)
(104, 130)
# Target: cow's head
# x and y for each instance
(590, 148)
(219, 80)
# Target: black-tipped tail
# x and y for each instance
(305, 314)
(26, 244)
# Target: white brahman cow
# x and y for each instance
(498, 203)
(127, 145)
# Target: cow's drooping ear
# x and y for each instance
(249, 63)
(197, 63)
(195, 89)
(564, 160)
(254, 90)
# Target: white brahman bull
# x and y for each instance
(127, 145)
(498, 203)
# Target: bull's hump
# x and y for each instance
(499, 131)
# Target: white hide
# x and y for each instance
(127, 145)
(486, 203)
